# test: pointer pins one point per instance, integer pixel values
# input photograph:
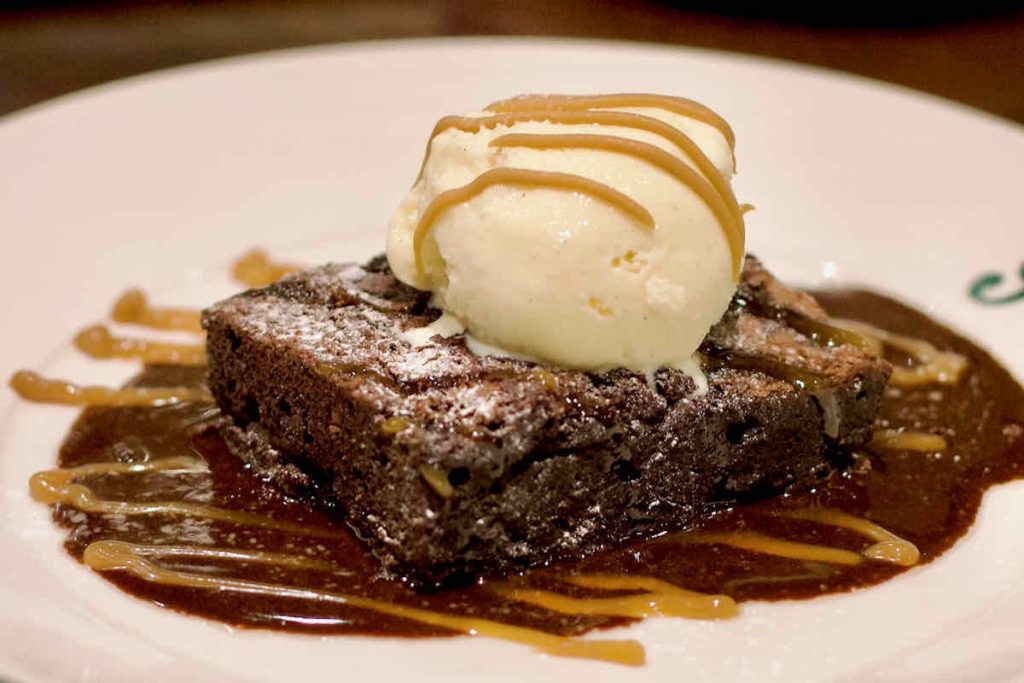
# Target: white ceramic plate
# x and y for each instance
(163, 179)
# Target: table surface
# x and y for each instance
(52, 48)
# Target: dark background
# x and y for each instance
(972, 52)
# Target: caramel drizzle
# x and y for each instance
(727, 213)
(128, 557)
(58, 486)
(812, 571)
(818, 331)
(888, 547)
(933, 366)
(767, 545)
(617, 119)
(133, 307)
(803, 378)
(907, 440)
(240, 555)
(255, 269)
(657, 599)
(32, 386)
(735, 231)
(676, 105)
(97, 342)
(522, 177)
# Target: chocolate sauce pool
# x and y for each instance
(929, 499)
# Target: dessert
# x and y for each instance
(583, 242)
(387, 408)
(446, 462)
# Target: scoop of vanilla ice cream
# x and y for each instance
(560, 276)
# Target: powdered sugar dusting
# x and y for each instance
(332, 317)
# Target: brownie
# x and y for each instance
(449, 464)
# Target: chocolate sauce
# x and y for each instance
(927, 498)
